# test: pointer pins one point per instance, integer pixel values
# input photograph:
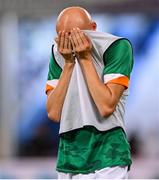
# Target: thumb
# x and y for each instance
(56, 40)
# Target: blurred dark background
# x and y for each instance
(28, 139)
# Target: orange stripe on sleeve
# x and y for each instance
(123, 80)
(48, 88)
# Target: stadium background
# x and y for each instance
(28, 140)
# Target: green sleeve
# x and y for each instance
(118, 58)
(54, 69)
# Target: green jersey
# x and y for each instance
(87, 149)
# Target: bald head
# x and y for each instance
(73, 17)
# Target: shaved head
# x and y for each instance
(73, 17)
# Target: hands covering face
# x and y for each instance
(74, 44)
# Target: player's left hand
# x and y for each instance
(81, 44)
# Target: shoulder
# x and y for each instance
(119, 45)
(120, 49)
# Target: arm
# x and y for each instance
(56, 96)
(105, 94)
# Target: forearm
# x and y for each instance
(101, 94)
(57, 96)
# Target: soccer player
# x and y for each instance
(87, 87)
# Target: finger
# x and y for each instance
(59, 37)
(88, 39)
(72, 43)
(69, 45)
(83, 37)
(56, 40)
(61, 43)
(74, 39)
(72, 47)
(78, 37)
(66, 40)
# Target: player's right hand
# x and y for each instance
(64, 47)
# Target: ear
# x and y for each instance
(94, 25)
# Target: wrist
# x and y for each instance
(70, 60)
(69, 64)
(85, 63)
(86, 57)
(86, 60)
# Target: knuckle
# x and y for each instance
(86, 45)
(59, 49)
(62, 51)
(78, 49)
